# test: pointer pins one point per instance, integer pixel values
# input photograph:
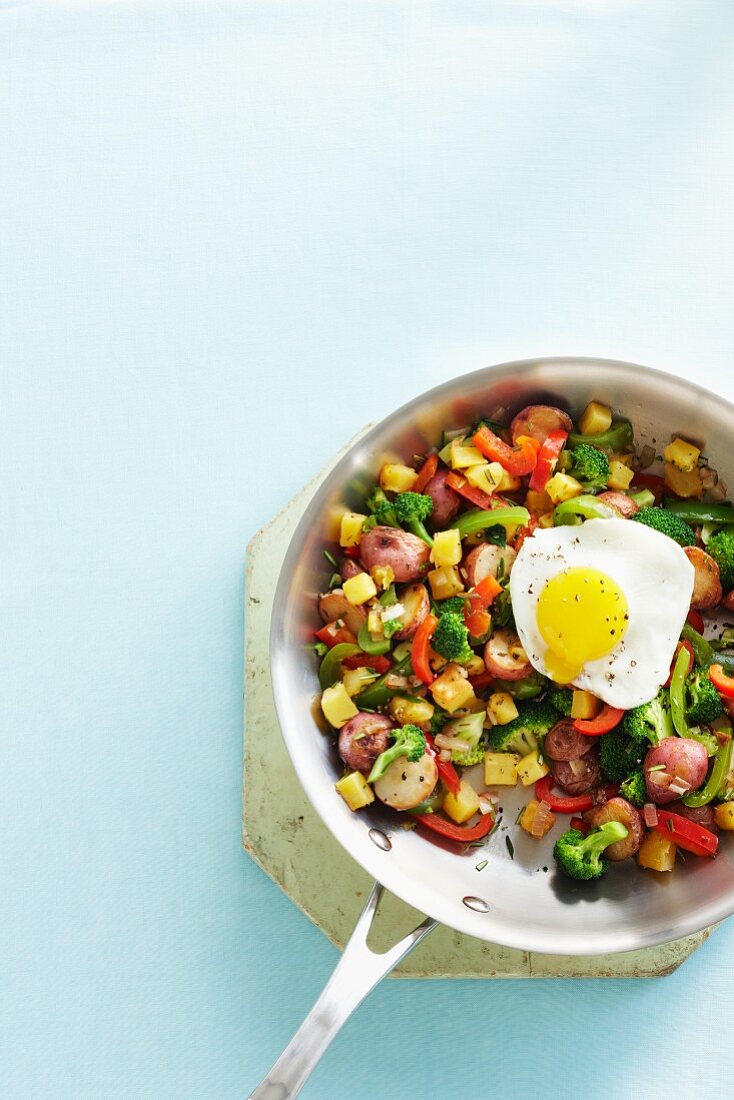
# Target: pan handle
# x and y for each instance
(357, 973)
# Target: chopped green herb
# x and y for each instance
(657, 768)
(331, 559)
(510, 847)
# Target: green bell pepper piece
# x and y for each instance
(330, 669)
(716, 780)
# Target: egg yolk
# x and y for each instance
(582, 615)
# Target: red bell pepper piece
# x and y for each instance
(572, 804)
(691, 659)
(425, 473)
(333, 635)
(481, 680)
(475, 496)
(447, 773)
(687, 834)
(525, 532)
(724, 684)
(459, 833)
(695, 619)
(580, 824)
(653, 482)
(518, 461)
(607, 718)
(480, 597)
(363, 660)
(419, 653)
(547, 458)
(351, 551)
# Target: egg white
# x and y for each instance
(656, 578)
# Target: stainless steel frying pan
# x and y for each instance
(512, 901)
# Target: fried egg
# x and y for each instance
(600, 606)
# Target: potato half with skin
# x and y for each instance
(416, 606)
(484, 561)
(446, 501)
(405, 784)
(538, 421)
(618, 809)
(406, 554)
(707, 590)
(505, 658)
(335, 605)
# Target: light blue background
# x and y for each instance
(231, 234)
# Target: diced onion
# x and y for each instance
(647, 456)
(541, 820)
(394, 681)
(679, 786)
(391, 613)
(444, 756)
(451, 744)
(650, 814)
(487, 804)
(577, 767)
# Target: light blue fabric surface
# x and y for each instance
(231, 234)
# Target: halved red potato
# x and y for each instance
(406, 554)
(416, 605)
(707, 590)
(446, 501)
(728, 601)
(484, 561)
(335, 605)
(405, 784)
(674, 758)
(539, 420)
(621, 503)
(618, 809)
(505, 658)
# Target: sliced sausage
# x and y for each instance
(539, 420)
(622, 504)
(405, 553)
(405, 784)
(362, 740)
(350, 568)
(674, 758)
(618, 809)
(335, 605)
(728, 601)
(702, 815)
(577, 776)
(446, 501)
(484, 561)
(707, 591)
(505, 658)
(416, 605)
(564, 742)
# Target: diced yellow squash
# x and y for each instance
(338, 708)
(487, 476)
(476, 666)
(396, 478)
(682, 454)
(446, 549)
(625, 459)
(445, 581)
(528, 817)
(595, 418)
(508, 483)
(374, 621)
(460, 807)
(334, 521)
(359, 589)
(657, 852)
(463, 454)
(545, 520)
(350, 531)
(620, 476)
(499, 769)
(355, 790)
(356, 679)
(539, 503)
(452, 689)
(724, 816)
(382, 575)
(584, 705)
(684, 483)
(563, 487)
(501, 708)
(415, 711)
(530, 768)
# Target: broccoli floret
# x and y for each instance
(438, 721)
(524, 733)
(590, 466)
(704, 701)
(412, 510)
(561, 698)
(580, 856)
(707, 739)
(667, 523)
(650, 721)
(618, 755)
(451, 639)
(634, 788)
(382, 509)
(721, 548)
(472, 756)
(454, 605)
(409, 741)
